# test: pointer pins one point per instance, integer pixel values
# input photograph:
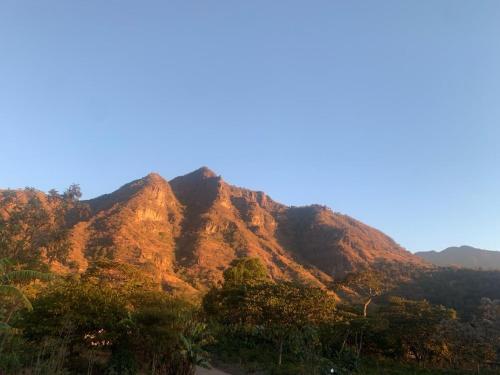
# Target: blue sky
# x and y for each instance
(388, 111)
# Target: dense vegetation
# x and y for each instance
(120, 322)
(116, 319)
(289, 328)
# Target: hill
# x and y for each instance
(186, 231)
(463, 256)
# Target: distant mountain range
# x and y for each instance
(463, 256)
(186, 231)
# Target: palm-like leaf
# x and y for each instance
(192, 348)
(5, 263)
(4, 327)
(11, 290)
(27, 275)
(8, 277)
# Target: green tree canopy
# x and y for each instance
(283, 311)
(414, 328)
(245, 271)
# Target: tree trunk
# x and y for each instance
(365, 308)
(280, 355)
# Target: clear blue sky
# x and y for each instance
(388, 111)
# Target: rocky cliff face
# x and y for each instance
(186, 232)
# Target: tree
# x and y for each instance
(73, 193)
(167, 335)
(284, 311)
(414, 329)
(128, 279)
(287, 310)
(245, 271)
(487, 322)
(84, 318)
(367, 284)
(466, 343)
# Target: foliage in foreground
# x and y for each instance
(87, 326)
(115, 320)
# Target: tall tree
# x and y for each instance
(366, 284)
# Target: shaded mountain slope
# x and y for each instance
(463, 256)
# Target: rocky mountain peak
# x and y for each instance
(153, 177)
(185, 232)
(201, 173)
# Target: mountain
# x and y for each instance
(186, 231)
(464, 257)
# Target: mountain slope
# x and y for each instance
(185, 232)
(463, 256)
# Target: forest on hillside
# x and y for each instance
(116, 319)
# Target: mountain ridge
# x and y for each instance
(463, 256)
(186, 231)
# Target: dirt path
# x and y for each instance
(212, 371)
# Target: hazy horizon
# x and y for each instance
(388, 112)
